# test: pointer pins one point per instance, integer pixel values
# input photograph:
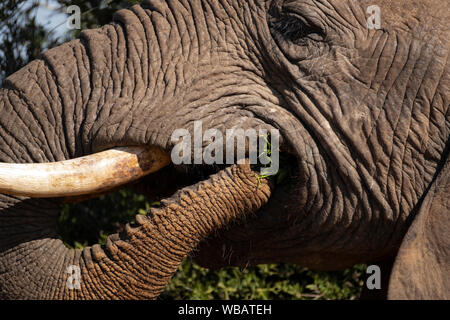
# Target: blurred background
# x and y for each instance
(29, 27)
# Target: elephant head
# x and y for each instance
(362, 111)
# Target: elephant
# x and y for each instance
(362, 112)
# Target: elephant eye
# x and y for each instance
(295, 30)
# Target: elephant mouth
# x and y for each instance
(148, 170)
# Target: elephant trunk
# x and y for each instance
(139, 262)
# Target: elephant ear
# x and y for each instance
(422, 267)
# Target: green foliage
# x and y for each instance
(285, 175)
(282, 281)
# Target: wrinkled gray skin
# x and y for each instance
(364, 112)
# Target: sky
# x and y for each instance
(48, 16)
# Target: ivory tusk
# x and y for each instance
(92, 174)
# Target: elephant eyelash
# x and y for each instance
(294, 29)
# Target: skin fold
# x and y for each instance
(363, 116)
